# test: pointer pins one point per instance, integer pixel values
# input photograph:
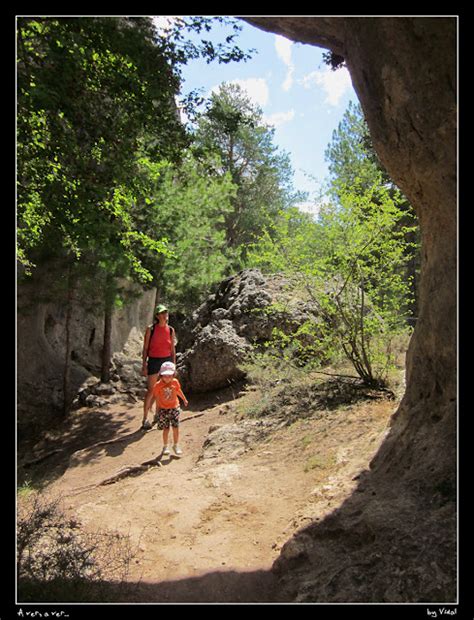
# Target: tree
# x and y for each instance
(233, 128)
(349, 263)
(350, 155)
(354, 166)
(187, 203)
(91, 93)
(367, 302)
(86, 94)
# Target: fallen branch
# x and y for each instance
(332, 374)
(43, 457)
(190, 417)
(133, 470)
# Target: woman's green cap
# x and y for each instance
(160, 308)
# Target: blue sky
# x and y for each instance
(299, 95)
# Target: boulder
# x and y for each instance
(239, 316)
(213, 361)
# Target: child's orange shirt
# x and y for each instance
(166, 394)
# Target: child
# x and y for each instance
(166, 392)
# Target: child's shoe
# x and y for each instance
(146, 425)
(177, 450)
(166, 450)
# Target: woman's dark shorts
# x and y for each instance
(154, 364)
(167, 417)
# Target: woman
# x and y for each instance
(158, 347)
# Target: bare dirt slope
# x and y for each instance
(208, 526)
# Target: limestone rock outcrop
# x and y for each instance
(223, 331)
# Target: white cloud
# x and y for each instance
(333, 83)
(164, 23)
(279, 118)
(256, 89)
(283, 48)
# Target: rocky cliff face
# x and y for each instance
(41, 347)
(395, 540)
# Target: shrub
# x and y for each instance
(57, 560)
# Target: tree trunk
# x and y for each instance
(107, 347)
(157, 298)
(107, 342)
(67, 354)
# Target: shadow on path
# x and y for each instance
(259, 586)
(81, 431)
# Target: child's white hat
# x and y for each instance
(167, 368)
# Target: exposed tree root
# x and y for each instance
(133, 470)
(39, 459)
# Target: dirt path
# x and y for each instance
(208, 526)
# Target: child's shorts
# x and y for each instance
(167, 417)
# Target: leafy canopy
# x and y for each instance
(92, 94)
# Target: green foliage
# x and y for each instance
(351, 262)
(188, 203)
(354, 167)
(293, 238)
(350, 155)
(94, 94)
(86, 94)
(234, 130)
(333, 60)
